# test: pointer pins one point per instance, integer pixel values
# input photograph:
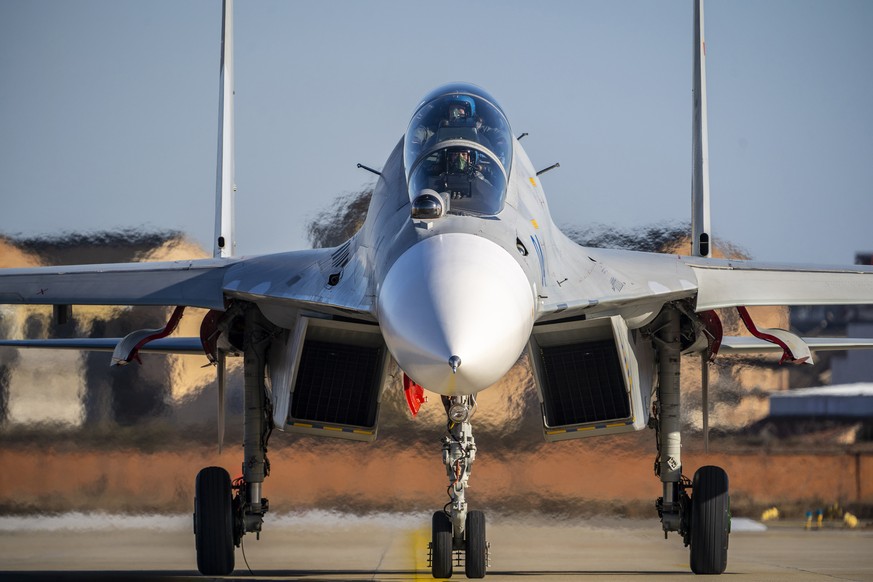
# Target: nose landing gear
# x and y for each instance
(458, 534)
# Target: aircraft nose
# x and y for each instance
(456, 311)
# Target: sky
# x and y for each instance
(109, 111)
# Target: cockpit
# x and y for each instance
(458, 147)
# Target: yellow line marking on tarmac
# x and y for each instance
(418, 541)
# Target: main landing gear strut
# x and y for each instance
(702, 519)
(225, 511)
(458, 533)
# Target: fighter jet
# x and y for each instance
(457, 272)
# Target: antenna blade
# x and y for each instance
(224, 241)
(701, 239)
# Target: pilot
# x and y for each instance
(460, 161)
(464, 163)
(458, 113)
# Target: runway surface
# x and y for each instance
(316, 546)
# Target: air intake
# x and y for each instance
(593, 377)
(337, 384)
(584, 383)
(327, 378)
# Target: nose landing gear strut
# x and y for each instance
(458, 534)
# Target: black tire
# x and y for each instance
(475, 550)
(213, 522)
(441, 548)
(710, 521)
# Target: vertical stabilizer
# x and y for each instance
(224, 241)
(701, 234)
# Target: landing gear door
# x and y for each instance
(637, 362)
(282, 362)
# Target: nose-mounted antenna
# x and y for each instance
(454, 362)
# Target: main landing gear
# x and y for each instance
(225, 511)
(703, 518)
(458, 534)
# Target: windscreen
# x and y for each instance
(459, 144)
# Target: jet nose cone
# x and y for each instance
(456, 311)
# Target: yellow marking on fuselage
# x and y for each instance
(533, 182)
(534, 223)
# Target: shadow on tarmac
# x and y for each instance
(292, 575)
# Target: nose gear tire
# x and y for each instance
(441, 558)
(475, 549)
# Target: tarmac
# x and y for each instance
(319, 545)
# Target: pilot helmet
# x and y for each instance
(461, 109)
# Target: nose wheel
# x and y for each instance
(441, 550)
(444, 555)
(475, 545)
(458, 535)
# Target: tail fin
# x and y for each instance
(224, 241)
(701, 239)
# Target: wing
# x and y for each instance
(322, 280)
(590, 281)
(196, 283)
(727, 283)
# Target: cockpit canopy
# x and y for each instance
(459, 145)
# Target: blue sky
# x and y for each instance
(108, 111)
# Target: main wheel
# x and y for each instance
(476, 552)
(710, 521)
(441, 548)
(213, 522)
